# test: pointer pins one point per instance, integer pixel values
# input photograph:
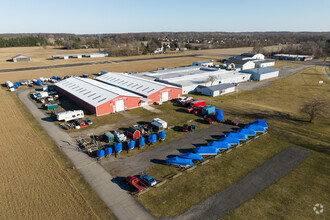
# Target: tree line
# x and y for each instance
(26, 41)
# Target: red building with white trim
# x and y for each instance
(96, 97)
(151, 91)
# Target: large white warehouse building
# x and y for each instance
(188, 78)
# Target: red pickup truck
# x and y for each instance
(135, 183)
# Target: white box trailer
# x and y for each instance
(9, 84)
(70, 115)
(160, 121)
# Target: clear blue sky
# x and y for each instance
(122, 16)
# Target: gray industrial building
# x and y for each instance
(21, 58)
(79, 56)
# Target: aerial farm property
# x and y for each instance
(151, 132)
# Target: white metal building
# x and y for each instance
(188, 78)
(242, 64)
(249, 56)
(293, 57)
(263, 73)
(21, 58)
(79, 56)
(264, 63)
(205, 63)
(216, 90)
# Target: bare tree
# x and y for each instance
(212, 79)
(315, 108)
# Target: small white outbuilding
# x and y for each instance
(219, 89)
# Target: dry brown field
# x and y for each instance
(33, 184)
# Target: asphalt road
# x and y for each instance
(138, 163)
(123, 205)
(245, 189)
(325, 72)
(93, 63)
(284, 71)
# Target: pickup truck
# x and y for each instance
(135, 183)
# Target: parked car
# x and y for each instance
(185, 127)
(148, 180)
(189, 109)
(88, 121)
(208, 119)
(231, 122)
(197, 110)
(135, 183)
(119, 136)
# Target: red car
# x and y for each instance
(208, 120)
(135, 183)
(189, 109)
(231, 122)
(185, 127)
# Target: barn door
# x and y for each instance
(120, 106)
(164, 96)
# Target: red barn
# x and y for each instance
(133, 133)
(96, 97)
(151, 91)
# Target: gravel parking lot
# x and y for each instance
(138, 163)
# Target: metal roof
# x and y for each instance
(220, 86)
(20, 56)
(80, 54)
(248, 54)
(241, 62)
(91, 91)
(131, 83)
(263, 70)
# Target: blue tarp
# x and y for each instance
(39, 82)
(247, 131)
(131, 144)
(191, 156)
(100, 153)
(152, 138)
(141, 141)
(255, 127)
(218, 114)
(262, 123)
(239, 136)
(118, 147)
(54, 77)
(206, 150)
(230, 140)
(220, 145)
(108, 151)
(162, 135)
(181, 161)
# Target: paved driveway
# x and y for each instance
(245, 189)
(119, 201)
(138, 163)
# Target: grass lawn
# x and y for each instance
(295, 194)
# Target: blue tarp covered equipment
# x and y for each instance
(131, 144)
(108, 151)
(162, 135)
(152, 138)
(247, 131)
(262, 123)
(100, 153)
(141, 141)
(39, 82)
(191, 156)
(230, 140)
(239, 136)
(54, 77)
(255, 127)
(218, 114)
(220, 145)
(118, 147)
(180, 161)
(206, 150)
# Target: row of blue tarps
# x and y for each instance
(207, 150)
